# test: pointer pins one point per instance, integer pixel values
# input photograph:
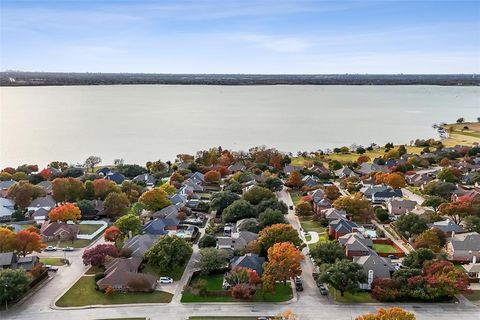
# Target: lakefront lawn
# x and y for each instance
(83, 293)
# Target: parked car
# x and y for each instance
(323, 290)
(68, 249)
(165, 280)
(50, 248)
(298, 279)
(392, 256)
(299, 286)
(51, 268)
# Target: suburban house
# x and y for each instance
(400, 206)
(383, 196)
(237, 167)
(332, 214)
(419, 179)
(448, 227)
(145, 178)
(345, 172)
(104, 171)
(355, 244)
(46, 185)
(7, 207)
(238, 240)
(341, 227)
(160, 226)
(473, 270)
(10, 260)
(39, 215)
(310, 181)
(321, 204)
(464, 247)
(121, 274)
(139, 244)
(46, 203)
(178, 200)
(53, 231)
(4, 186)
(169, 212)
(368, 168)
(374, 267)
(288, 169)
(116, 177)
(369, 190)
(250, 260)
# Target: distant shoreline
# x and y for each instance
(22, 79)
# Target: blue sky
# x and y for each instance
(222, 36)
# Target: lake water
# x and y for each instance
(149, 122)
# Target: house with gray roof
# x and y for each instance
(374, 267)
(367, 168)
(116, 177)
(345, 172)
(355, 244)
(341, 227)
(448, 227)
(236, 167)
(400, 206)
(169, 212)
(463, 247)
(288, 169)
(238, 240)
(160, 226)
(139, 244)
(473, 270)
(146, 178)
(310, 181)
(383, 196)
(10, 260)
(250, 260)
(46, 185)
(46, 202)
(369, 190)
(7, 207)
(333, 214)
(4, 186)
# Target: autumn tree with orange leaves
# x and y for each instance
(212, 176)
(67, 189)
(7, 240)
(283, 263)
(388, 314)
(65, 212)
(294, 180)
(394, 180)
(112, 234)
(27, 241)
(103, 187)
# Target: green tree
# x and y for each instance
(270, 217)
(239, 209)
(327, 253)
(89, 190)
(472, 224)
(381, 214)
(211, 260)
(439, 188)
(129, 222)
(344, 275)
(257, 194)
(410, 224)
(207, 241)
(24, 192)
(447, 175)
(86, 207)
(304, 209)
(116, 204)
(13, 284)
(92, 161)
(222, 200)
(273, 184)
(272, 204)
(434, 202)
(155, 199)
(234, 187)
(169, 252)
(416, 259)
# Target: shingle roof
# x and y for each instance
(250, 260)
(139, 244)
(466, 241)
(46, 201)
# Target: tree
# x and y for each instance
(457, 210)
(272, 204)
(273, 184)
(294, 180)
(131, 170)
(270, 217)
(434, 202)
(283, 262)
(129, 223)
(96, 256)
(168, 188)
(257, 194)
(461, 120)
(67, 189)
(89, 190)
(410, 224)
(112, 234)
(472, 224)
(278, 233)
(234, 186)
(86, 207)
(103, 188)
(448, 175)
(327, 253)
(211, 260)
(332, 192)
(221, 200)
(156, 166)
(212, 176)
(14, 283)
(116, 204)
(65, 212)
(344, 276)
(169, 252)
(334, 165)
(304, 209)
(238, 210)
(357, 208)
(92, 161)
(7, 240)
(395, 180)
(439, 188)
(155, 199)
(416, 259)
(27, 242)
(23, 193)
(394, 313)
(432, 239)
(381, 214)
(19, 176)
(134, 190)
(287, 315)
(207, 241)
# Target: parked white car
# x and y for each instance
(165, 280)
(50, 248)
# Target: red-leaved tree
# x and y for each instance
(96, 256)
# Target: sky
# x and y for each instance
(222, 36)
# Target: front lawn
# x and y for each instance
(52, 261)
(214, 283)
(77, 243)
(312, 225)
(359, 297)
(473, 295)
(83, 293)
(384, 248)
(296, 196)
(88, 228)
(174, 273)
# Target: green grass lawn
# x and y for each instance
(359, 297)
(77, 243)
(175, 273)
(94, 270)
(214, 283)
(52, 261)
(296, 196)
(311, 225)
(88, 228)
(474, 295)
(384, 248)
(83, 293)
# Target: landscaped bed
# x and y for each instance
(214, 283)
(83, 293)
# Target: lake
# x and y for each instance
(150, 122)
